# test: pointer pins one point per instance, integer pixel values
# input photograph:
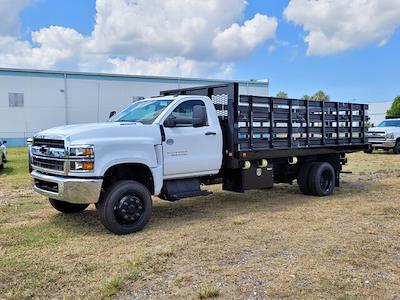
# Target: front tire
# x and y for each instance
(322, 179)
(125, 208)
(66, 207)
(369, 150)
(396, 149)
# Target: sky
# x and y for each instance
(349, 49)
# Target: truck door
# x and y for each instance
(192, 151)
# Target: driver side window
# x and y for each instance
(184, 111)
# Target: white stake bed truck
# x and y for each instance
(171, 145)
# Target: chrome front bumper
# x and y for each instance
(73, 190)
(383, 144)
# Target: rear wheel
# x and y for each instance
(125, 208)
(66, 207)
(396, 149)
(321, 179)
(302, 178)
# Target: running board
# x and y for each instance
(182, 188)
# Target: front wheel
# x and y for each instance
(369, 150)
(125, 208)
(66, 207)
(396, 149)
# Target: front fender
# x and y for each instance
(147, 155)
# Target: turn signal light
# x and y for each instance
(88, 165)
(88, 152)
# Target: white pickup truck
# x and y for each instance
(3, 153)
(171, 145)
(385, 136)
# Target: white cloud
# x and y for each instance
(237, 41)
(175, 65)
(162, 27)
(9, 15)
(56, 45)
(160, 37)
(337, 25)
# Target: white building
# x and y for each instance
(32, 100)
(377, 111)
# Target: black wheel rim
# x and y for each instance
(129, 209)
(326, 180)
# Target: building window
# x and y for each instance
(16, 99)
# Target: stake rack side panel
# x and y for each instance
(266, 123)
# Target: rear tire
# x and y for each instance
(3, 158)
(66, 207)
(302, 178)
(321, 179)
(125, 208)
(396, 149)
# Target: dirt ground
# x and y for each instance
(268, 244)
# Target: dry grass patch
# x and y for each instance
(208, 292)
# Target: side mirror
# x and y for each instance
(4, 142)
(199, 116)
(112, 114)
(170, 122)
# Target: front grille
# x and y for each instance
(50, 143)
(50, 164)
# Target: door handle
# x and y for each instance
(211, 133)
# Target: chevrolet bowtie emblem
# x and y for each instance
(43, 149)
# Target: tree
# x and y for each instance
(320, 96)
(395, 108)
(281, 95)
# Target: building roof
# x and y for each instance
(109, 76)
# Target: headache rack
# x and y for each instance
(266, 127)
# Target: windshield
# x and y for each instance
(390, 123)
(144, 112)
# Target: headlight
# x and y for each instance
(81, 158)
(82, 151)
(390, 135)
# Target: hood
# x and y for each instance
(106, 130)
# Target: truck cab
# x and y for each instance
(385, 136)
(150, 142)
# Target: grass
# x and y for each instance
(111, 287)
(209, 292)
(262, 244)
